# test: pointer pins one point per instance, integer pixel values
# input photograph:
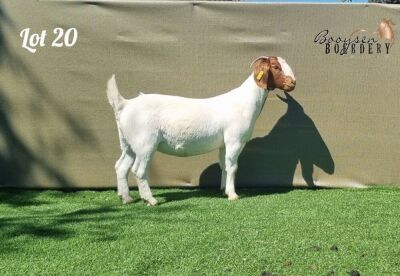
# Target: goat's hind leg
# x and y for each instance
(145, 192)
(140, 169)
(122, 167)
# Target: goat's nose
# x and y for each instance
(290, 84)
(291, 80)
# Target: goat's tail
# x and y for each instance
(114, 98)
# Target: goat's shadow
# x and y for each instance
(272, 160)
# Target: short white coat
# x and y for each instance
(184, 127)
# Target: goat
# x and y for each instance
(185, 126)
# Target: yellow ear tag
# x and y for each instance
(260, 74)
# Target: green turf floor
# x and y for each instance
(192, 232)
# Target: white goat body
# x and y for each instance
(184, 127)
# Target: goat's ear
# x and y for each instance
(261, 71)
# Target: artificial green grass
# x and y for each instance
(193, 232)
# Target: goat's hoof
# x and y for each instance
(151, 202)
(233, 197)
(127, 200)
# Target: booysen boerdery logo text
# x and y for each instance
(360, 41)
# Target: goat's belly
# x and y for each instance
(190, 147)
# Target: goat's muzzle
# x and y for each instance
(289, 84)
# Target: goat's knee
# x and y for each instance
(231, 168)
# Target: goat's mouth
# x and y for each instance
(289, 84)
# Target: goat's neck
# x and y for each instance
(253, 95)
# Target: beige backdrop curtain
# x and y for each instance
(340, 127)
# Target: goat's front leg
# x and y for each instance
(232, 153)
(122, 167)
(222, 166)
